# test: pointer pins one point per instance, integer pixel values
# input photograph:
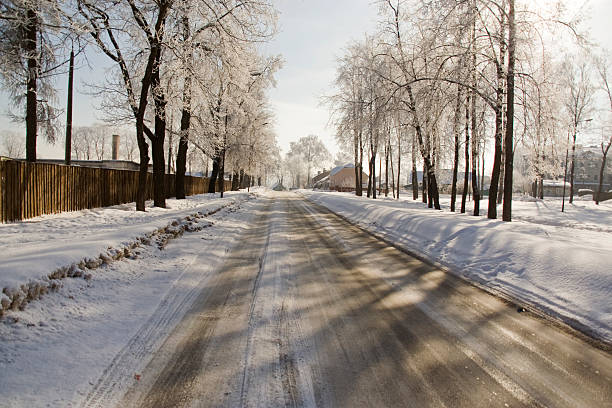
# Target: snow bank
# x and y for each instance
(564, 271)
(38, 252)
(84, 344)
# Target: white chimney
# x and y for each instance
(115, 147)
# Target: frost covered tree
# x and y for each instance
(311, 150)
(151, 41)
(32, 36)
(208, 32)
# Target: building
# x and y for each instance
(342, 178)
(587, 167)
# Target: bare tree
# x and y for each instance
(129, 146)
(12, 144)
(91, 142)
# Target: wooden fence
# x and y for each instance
(28, 190)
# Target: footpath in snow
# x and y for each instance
(559, 263)
(114, 320)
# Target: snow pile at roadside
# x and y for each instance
(40, 251)
(564, 271)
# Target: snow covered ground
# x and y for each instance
(55, 351)
(560, 263)
(50, 245)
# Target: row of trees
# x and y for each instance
(194, 60)
(444, 81)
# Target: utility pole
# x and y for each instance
(69, 110)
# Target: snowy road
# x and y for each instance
(308, 310)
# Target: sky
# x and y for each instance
(312, 35)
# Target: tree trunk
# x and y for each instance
(392, 174)
(236, 181)
(181, 157)
(475, 142)
(456, 155)
(467, 155)
(571, 175)
(429, 192)
(360, 188)
(169, 171)
(602, 169)
(434, 188)
(356, 152)
(415, 176)
(425, 183)
(387, 167)
(509, 136)
(399, 162)
(157, 144)
(213, 176)
(143, 171)
(68, 151)
(159, 191)
(500, 190)
(475, 189)
(482, 174)
(379, 176)
(541, 195)
(374, 175)
(222, 171)
(31, 29)
(157, 148)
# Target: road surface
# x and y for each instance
(309, 310)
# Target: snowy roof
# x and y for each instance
(337, 169)
(323, 180)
